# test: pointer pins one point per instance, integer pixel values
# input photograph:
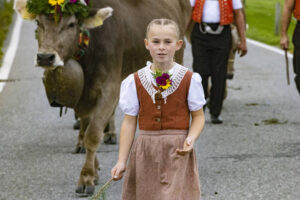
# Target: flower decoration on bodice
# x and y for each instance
(59, 8)
(163, 80)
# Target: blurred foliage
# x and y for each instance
(6, 13)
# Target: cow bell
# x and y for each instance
(64, 85)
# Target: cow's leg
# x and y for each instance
(89, 172)
(97, 168)
(76, 125)
(80, 144)
(92, 139)
(110, 136)
(230, 64)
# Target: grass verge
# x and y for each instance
(6, 14)
(261, 20)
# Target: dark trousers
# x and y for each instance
(296, 58)
(210, 53)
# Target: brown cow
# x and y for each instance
(115, 50)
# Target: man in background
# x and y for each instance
(234, 47)
(292, 6)
(211, 43)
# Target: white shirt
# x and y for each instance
(129, 102)
(211, 10)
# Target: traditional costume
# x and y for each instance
(155, 171)
(211, 43)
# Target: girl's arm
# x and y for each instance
(127, 133)
(195, 130)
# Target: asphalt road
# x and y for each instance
(243, 159)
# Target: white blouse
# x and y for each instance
(211, 10)
(129, 102)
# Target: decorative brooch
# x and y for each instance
(83, 44)
(163, 80)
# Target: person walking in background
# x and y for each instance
(211, 43)
(292, 6)
(162, 97)
(235, 44)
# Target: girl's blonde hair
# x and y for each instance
(164, 22)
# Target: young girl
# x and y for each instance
(161, 96)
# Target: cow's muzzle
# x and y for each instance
(45, 59)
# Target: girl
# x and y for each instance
(162, 96)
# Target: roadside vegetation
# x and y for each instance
(260, 16)
(6, 13)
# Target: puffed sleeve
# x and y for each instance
(129, 102)
(192, 2)
(237, 4)
(196, 99)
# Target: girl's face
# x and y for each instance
(162, 43)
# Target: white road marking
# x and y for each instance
(9, 56)
(268, 47)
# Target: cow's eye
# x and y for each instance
(39, 25)
(71, 25)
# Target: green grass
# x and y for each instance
(6, 14)
(261, 20)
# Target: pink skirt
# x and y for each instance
(156, 172)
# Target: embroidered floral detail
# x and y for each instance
(146, 77)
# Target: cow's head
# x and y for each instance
(58, 26)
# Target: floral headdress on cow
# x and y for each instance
(59, 8)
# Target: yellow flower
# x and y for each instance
(164, 87)
(56, 2)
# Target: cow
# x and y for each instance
(115, 49)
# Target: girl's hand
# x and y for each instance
(187, 146)
(118, 170)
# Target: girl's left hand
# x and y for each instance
(118, 170)
(187, 146)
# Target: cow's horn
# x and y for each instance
(83, 2)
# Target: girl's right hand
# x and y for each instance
(118, 170)
(187, 146)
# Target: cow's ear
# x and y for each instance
(98, 18)
(20, 7)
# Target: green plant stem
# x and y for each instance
(101, 191)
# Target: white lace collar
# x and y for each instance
(147, 79)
